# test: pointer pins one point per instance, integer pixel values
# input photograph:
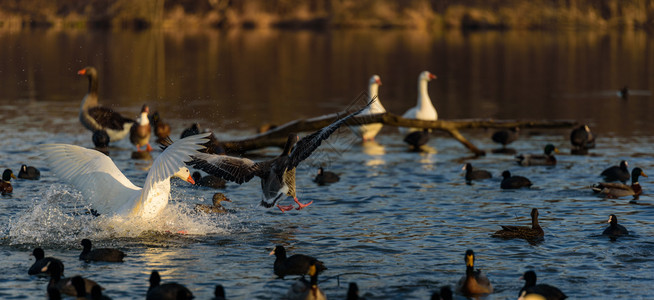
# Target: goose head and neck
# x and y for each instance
(290, 142)
(534, 218)
(373, 93)
(470, 262)
(184, 174)
(143, 117)
(91, 98)
(423, 93)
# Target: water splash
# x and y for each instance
(62, 217)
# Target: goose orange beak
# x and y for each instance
(190, 180)
(81, 72)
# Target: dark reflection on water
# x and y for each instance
(398, 222)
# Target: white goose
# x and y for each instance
(425, 109)
(369, 131)
(109, 191)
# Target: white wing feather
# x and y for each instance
(92, 173)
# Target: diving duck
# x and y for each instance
(616, 190)
(547, 291)
(140, 133)
(505, 137)
(424, 109)
(166, 291)
(473, 283)
(5, 184)
(41, 261)
(30, 173)
(417, 139)
(102, 254)
(546, 159)
(533, 233)
(474, 174)
(307, 290)
(95, 117)
(514, 182)
(297, 264)
(216, 207)
(615, 230)
(617, 173)
(369, 131)
(161, 128)
(277, 174)
(581, 139)
(325, 177)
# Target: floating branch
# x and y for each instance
(277, 136)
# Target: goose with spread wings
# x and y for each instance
(277, 174)
(108, 190)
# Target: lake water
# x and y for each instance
(398, 222)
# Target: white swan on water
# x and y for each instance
(107, 189)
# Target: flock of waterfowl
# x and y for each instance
(112, 193)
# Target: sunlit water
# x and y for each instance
(398, 223)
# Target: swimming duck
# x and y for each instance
(109, 191)
(473, 174)
(417, 139)
(617, 173)
(277, 174)
(30, 173)
(64, 285)
(533, 233)
(616, 190)
(166, 291)
(80, 288)
(216, 207)
(615, 230)
(297, 264)
(473, 282)
(514, 182)
(369, 131)
(161, 128)
(325, 177)
(5, 184)
(505, 137)
(547, 159)
(40, 261)
(547, 291)
(307, 290)
(101, 254)
(95, 117)
(424, 110)
(140, 132)
(582, 139)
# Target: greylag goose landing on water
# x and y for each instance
(95, 117)
(277, 174)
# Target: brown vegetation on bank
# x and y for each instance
(322, 14)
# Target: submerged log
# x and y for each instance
(277, 136)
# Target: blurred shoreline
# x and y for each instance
(431, 15)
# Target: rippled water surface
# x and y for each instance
(398, 222)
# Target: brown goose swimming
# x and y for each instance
(277, 174)
(95, 117)
(533, 233)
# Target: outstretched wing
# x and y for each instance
(310, 143)
(92, 173)
(170, 161)
(230, 168)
